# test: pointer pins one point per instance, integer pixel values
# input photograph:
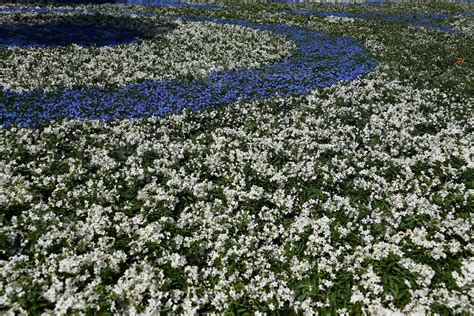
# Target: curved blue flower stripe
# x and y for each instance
(319, 61)
(418, 20)
(170, 3)
(402, 17)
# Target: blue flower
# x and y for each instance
(417, 19)
(319, 61)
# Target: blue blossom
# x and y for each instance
(170, 3)
(319, 61)
(437, 27)
(417, 19)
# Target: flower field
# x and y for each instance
(237, 159)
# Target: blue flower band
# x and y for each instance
(401, 17)
(319, 61)
(425, 20)
(175, 4)
(63, 34)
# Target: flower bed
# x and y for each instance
(330, 172)
(319, 61)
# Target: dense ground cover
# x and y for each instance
(348, 199)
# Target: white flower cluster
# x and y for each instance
(191, 50)
(464, 24)
(338, 19)
(263, 187)
(353, 198)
